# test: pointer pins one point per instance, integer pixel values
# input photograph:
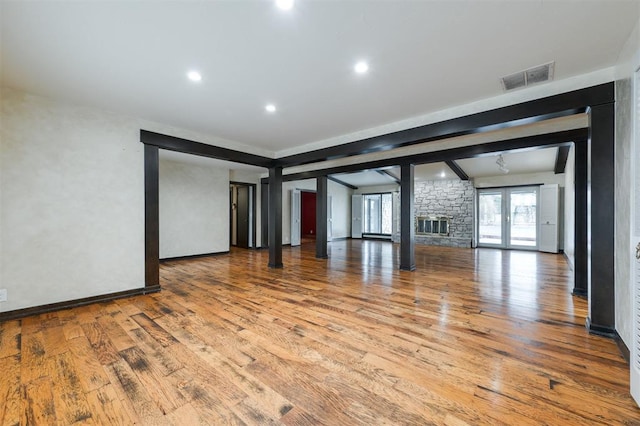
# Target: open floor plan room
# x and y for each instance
(473, 336)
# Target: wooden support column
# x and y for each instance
(581, 267)
(151, 217)
(275, 217)
(321, 217)
(264, 215)
(407, 229)
(601, 213)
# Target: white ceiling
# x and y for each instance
(529, 161)
(433, 171)
(366, 178)
(517, 162)
(424, 56)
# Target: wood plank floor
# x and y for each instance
(471, 337)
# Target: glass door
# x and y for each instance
(490, 216)
(522, 218)
(508, 217)
(378, 214)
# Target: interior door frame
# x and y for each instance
(355, 219)
(253, 235)
(374, 234)
(329, 218)
(634, 240)
(505, 215)
(295, 216)
(329, 212)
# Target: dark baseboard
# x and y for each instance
(600, 330)
(341, 239)
(37, 310)
(370, 238)
(578, 292)
(193, 256)
(624, 350)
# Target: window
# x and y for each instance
(378, 213)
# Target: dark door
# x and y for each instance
(243, 216)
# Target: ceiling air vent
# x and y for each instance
(525, 78)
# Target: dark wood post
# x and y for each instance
(275, 217)
(407, 229)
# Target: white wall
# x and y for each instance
(194, 209)
(71, 200)
(628, 61)
(570, 207)
(341, 210)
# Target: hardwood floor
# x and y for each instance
(471, 337)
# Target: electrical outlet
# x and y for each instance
(3, 295)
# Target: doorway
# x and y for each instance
(298, 208)
(242, 216)
(308, 207)
(508, 218)
(377, 217)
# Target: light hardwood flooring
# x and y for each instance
(471, 337)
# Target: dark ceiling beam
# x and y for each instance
(338, 181)
(561, 159)
(186, 146)
(455, 167)
(561, 105)
(531, 142)
(389, 175)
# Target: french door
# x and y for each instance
(508, 217)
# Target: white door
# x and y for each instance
(296, 221)
(356, 216)
(329, 218)
(549, 199)
(635, 246)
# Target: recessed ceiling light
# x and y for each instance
(270, 108)
(284, 4)
(361, 67)
(194, 76)
(443, 174)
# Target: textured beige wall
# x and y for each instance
(624, 126)
(194, 209)
(628, 62)
(71, 200)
